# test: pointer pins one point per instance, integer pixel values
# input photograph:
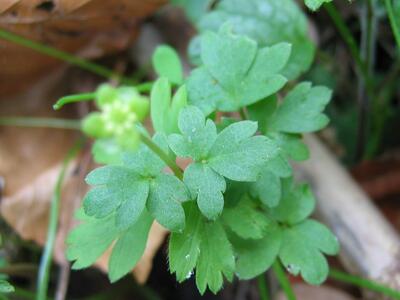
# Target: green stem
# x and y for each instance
(45, 262)
(64, 56)
(350, 41)
(73, 98)
(157, 150)
(283, 280)
(41, 122)
(364, 283)
(393, 23)
(143, 87)
(262, 287)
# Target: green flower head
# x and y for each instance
(120, 109)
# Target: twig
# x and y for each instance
(45, 262)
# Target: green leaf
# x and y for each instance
(207, 186)
(245, 220)
(167, 193)
(315, 4)
(228, 60)
(302, 248)
(291, 145)
(215, 260)
(198, 135)
(268, 22)
(184, 248)
(203, 245)
(129, 248)
(296, 204)
(164, 112)
(167, 64)
(262, 112)
(238, 155)
(117, 189)
(88, 241)
(267, 188)
(254, 257)
(6, 287)
(279, 166)
(139, 181)
(301, 110)
(234, 154)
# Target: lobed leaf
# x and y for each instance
(129, 248)
(309, 239)
(245, 220)
(202, 245)
(167, 64)
(296, 204)
(164, 110)
(207, 186)
(268, 22)
(254, 257)
(301, 110)
(234, 154)
(167, 193)
(235, 73)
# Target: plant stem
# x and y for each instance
(45, 261)
(283, 280)
(160, 153)
(393, 23)
(41, 122)
(364, 283)
(349, 40)
(262, 287)
(73, 98)
(64, 56)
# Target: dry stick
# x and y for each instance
(370, 247)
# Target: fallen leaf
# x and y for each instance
(89, 28)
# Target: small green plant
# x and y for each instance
(235, 209)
